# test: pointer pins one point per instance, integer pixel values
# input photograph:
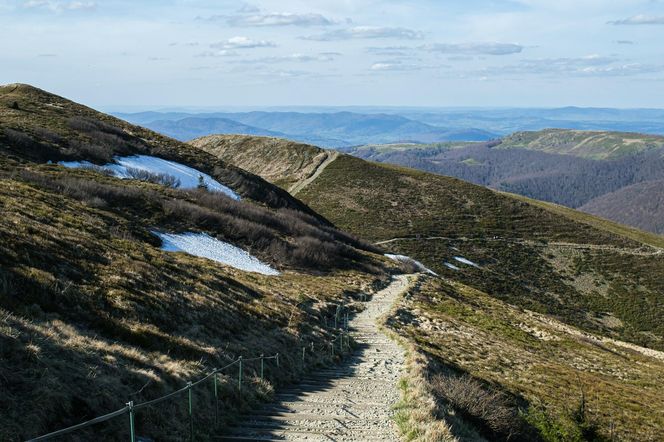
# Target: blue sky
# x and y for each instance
(539, 53)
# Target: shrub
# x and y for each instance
(156, 178)
(490, 409)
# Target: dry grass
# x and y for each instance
(543, 364)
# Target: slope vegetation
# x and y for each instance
(497, 253)
(596, 145)
(640, 205)
(571, 168)
(94, 313)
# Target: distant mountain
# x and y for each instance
(507, 121)
(571, 168)
(191, 127)
(335, 130)
(596, 145)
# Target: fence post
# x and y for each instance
(132, 433)
(341, 342)
(262, 366)
(346, 320)
(239, 375)
(312, 348)
(216, 398)
(191, 412)
(304, 349)
(332, 349)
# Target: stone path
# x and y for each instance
(349, 402)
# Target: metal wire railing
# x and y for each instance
(341, 343)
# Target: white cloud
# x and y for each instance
(220, 53)
(367, 32)
(640, 20)
(278, 19)
(488, 48)
(588, 66)
(248, 8)
(400, 66)
(60, 6)
(243, 43)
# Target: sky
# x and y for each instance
(125, 54)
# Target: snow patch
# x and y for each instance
(205, 246)
(408, 260)
(466, 261)
(188, 176)
(449, 265)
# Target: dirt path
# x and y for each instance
(349, 402)
(645, 250)
(297, 187)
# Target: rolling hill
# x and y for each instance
(106, 290)
(542, 306)
(598, 145)
(329, 129)
(572, 168)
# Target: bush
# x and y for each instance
(490, 409)
(156, 178)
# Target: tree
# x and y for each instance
(201, 183)
(15, 105)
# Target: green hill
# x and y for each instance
(597, 145)
(590, 275)
(93, 313)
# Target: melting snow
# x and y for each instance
(205, 246)
(188, 176)
(466, 261)
(449, 265)
(408, 259)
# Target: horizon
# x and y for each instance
(382, 53)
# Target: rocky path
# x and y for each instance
(349, 402)
(297, 187)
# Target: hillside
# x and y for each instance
(640, 205)
(591, 276)
(95, 310)
(551, 172)
(290, 163)
(598, 145)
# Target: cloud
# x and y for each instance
(220, 53)
(392, 51)
(588, 66)
(277, 19)
(248, 8)
(243, 43)
(367, 32)
(294, 58)
(640, 20)
(60, 6)
(401, 66)
(476, 48)
(625, 42)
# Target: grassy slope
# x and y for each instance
(534, 361)
(289, 162)
(639, 205)
(581, 270)
(586, 144)
(93, 313)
